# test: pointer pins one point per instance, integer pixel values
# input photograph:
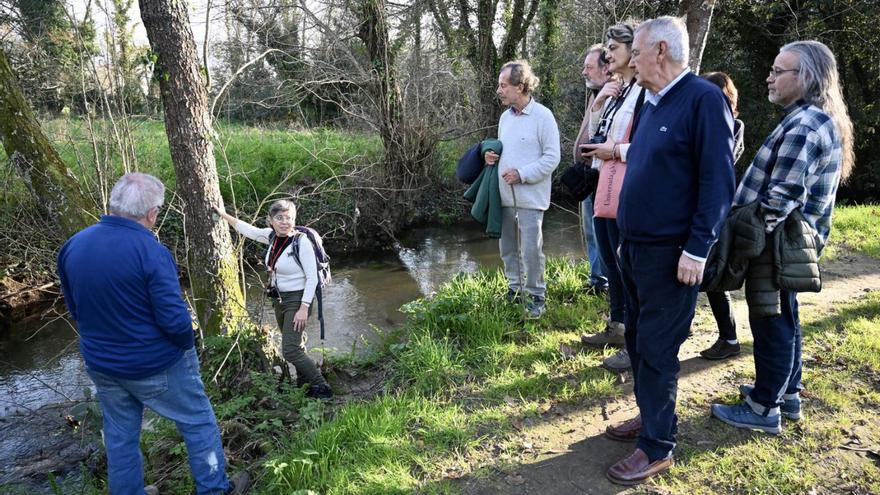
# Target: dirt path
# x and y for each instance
(567, 453)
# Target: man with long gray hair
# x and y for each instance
(799, 167)
(136, 338)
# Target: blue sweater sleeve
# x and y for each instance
(169, 309)
(713, 152)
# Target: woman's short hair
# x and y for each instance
(283, 205)
(624, 33)
(723, 81)
(135, 194)
(521, 73)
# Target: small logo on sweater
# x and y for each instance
(663, 129)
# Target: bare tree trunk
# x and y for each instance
(30, 151)
(213, 270)
(479, 44)
(408, 144)
(698, 14)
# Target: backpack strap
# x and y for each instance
(294, 251)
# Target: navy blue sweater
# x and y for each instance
(121, 287)
(679, 177)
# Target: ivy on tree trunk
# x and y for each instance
(32, 155)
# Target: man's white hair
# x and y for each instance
(135, 194)
(674, 32)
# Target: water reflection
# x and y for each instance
(365, 293)
(40, 364)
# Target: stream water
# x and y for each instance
(40, 362)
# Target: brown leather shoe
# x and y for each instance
(628, 431)
(637, 468)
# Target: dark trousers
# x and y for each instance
(778, 364)
(723, 313)
(293, 343)
(607, 239)
(659, 311)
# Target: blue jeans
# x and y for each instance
(597, 267)
(176, 394)
(608, 238)
(778, 364)
(659, 311)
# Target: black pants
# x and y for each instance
(723, 313)
(659, 312)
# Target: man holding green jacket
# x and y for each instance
(530, 138)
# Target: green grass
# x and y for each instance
(855, 228)
(255, 160)
(469, 369)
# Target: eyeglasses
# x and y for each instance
(282, 218)
(774, 72)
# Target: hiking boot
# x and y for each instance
(597, 290)
(320, 392)
(612, 335)
(151, 490)
(742, 416)
(535, 308)
(618, 362)
(513, 296)
(791, 407)
(239, 483)
(721, 349)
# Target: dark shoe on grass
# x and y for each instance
(535, 308)
(239, 483)
(513, 297)
(320, 392)
(721, 349)
(596, 290)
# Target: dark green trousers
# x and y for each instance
(293, 343)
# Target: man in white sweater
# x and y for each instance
(530, 137)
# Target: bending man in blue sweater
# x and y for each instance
(678, 190)
(136, 338)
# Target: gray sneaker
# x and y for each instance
(618, 362)
(612, 335)
(535, 308)
(151, 490)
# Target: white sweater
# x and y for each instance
(531, 146)
(287, 275)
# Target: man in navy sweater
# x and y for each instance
(136, 338)
(678, 189)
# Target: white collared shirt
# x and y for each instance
(654, 99)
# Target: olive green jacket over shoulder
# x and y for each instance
(786, 258)
(485, 195)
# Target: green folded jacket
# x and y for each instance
(486, 197)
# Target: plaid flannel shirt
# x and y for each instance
(804, 155)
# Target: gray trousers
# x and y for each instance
(293, 343)
(532, 240)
